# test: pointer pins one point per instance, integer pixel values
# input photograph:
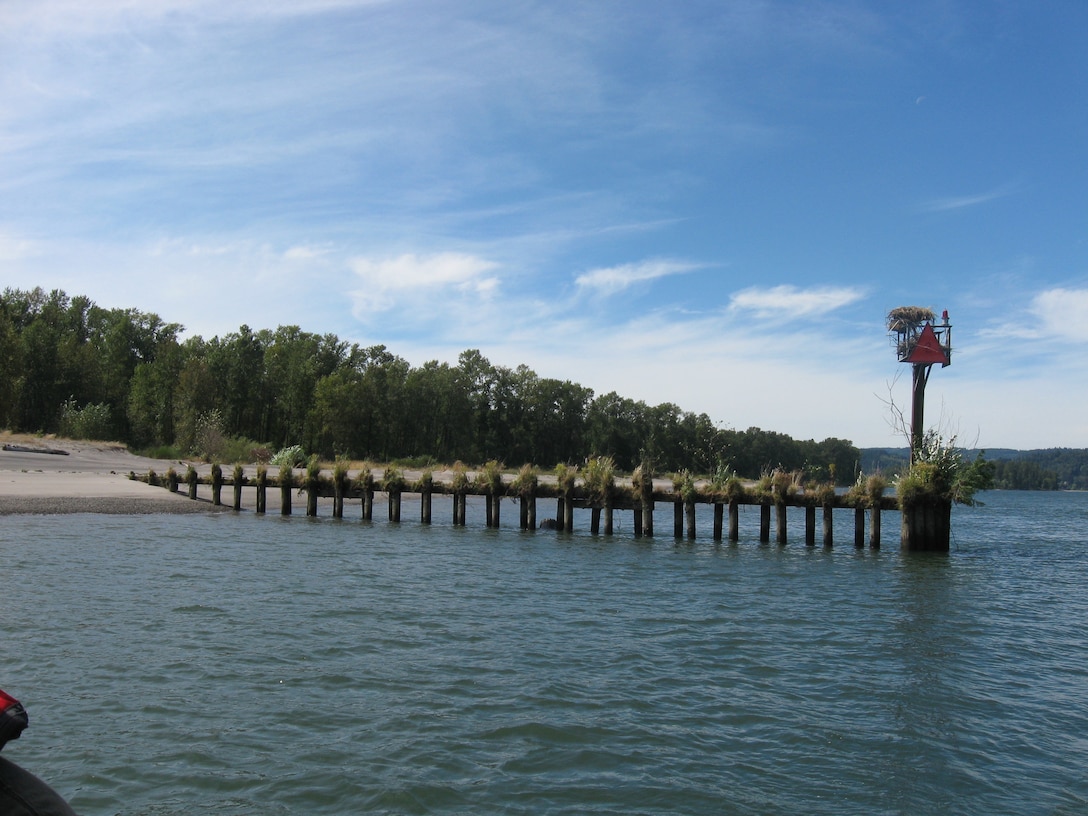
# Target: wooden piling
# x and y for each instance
(926, 525)
(810, 525)
(780, 521)
(425, 505)
(642, 480)
(595, 520)
(238, 479)
(828, 537)
(339, 488)
(874, 527)
(677, 517)
(608, 517)
(262, 489)
(719, 515)
(734, 521)
(217, 485)
(859, 527)
(287, 483)
(764, 523)
(530, 518)
(191, 481)
(689, 518)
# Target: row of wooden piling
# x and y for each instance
(818, 509)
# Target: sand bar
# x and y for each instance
(83, 478)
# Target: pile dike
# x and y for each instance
(536, 496)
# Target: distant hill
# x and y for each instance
(1041, 469)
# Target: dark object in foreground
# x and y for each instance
(22, 793)
(13, 718)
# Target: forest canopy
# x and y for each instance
(68, 366)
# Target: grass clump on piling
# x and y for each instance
(526, 481)
(599, 479)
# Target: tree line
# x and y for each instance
(71, 367)
(1044, 469)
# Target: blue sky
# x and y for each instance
(708, 203)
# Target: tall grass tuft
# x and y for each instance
(364, 479)
(824, 494)
(683, 483)
(425, 481)
(313, 473)
(525, 483)
(565, 477)
(785, 483)
(393, 480)
(287, 475)
(460, 477)
(642, 479)
(490, 478)
(599, 478)
(725, 483)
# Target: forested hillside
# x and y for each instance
(1044, 469)
(69, 366)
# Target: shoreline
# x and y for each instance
(85, 478)
(101, 505)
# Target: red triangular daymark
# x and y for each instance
(928, 349)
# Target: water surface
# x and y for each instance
(236, 664)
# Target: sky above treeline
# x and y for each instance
(713, 204)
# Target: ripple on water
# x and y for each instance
(232, 664)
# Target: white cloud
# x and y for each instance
(617, 278)
(962, 202)
(81, 18)
(787, 302)
(305, 253)
(1063, 313)
(13, 247)
(420, 278)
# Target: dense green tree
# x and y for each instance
(66, 356)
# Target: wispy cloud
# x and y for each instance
(962, 202)
(789, 302)
(1062, 313)
(13, 247)
(76, 16)
(421, 278)
(614, 279)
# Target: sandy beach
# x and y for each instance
(49, 476)
(57, 476)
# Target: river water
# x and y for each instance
(234, 664)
